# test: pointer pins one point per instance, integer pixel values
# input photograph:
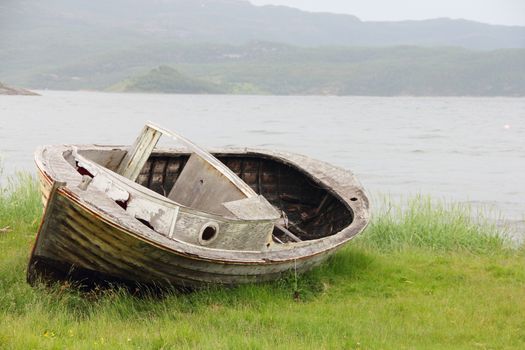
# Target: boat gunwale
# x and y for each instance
(311, 248)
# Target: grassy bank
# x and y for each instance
(425, 277)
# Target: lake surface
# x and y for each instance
(468, 150)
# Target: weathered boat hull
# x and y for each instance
(79, 240)
(77, 237)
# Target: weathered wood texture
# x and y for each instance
(207, 157)
(88, 231)
(203, 187)
(139, 153)
(109, 158)
(79, 238)
(282, 184)
(254, 208)
(170, 218)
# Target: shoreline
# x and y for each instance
(12, 91)
(41, 92)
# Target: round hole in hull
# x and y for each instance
(208, 233)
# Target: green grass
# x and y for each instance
(436, 225)
(425, 277)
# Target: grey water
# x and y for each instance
(468, 150)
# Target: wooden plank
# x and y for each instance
(201, 186)
(139, 153)
(288, 233)
(208, 157)
(255, 208)
(276, 239)
(161, 215)
(48, 209)
(109, 159)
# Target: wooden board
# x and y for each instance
(139, 153)
(209, 158)
(254, 208)
(203, 187)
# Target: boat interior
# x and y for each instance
(309, 211)
(312, 212)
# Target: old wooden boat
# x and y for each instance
(186, 217)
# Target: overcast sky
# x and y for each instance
(509, 12)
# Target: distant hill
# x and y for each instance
(6, 90)
(266, 68)
(70, 24)
(165, 79)
(39, 35)
(86, 44)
